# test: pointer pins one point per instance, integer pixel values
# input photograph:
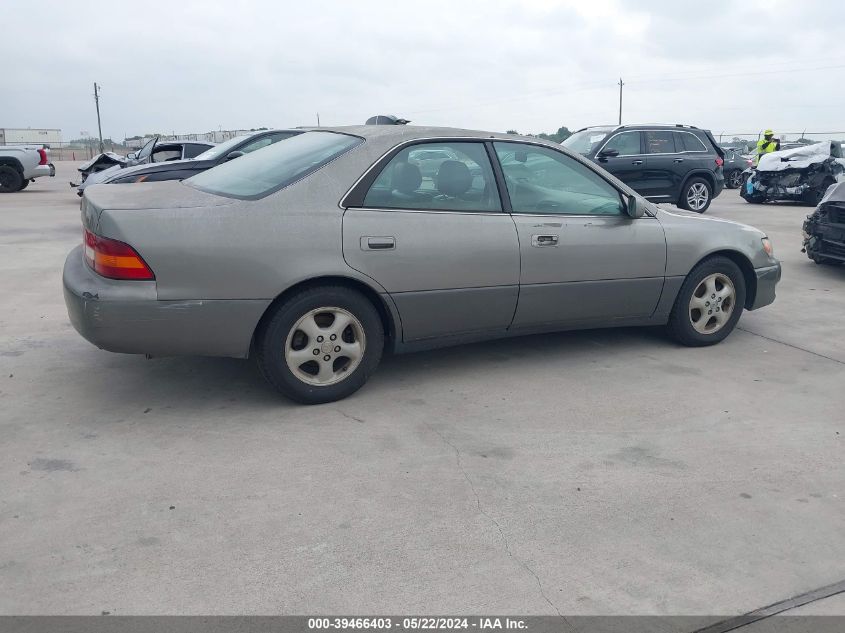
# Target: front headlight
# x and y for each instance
(767, 246)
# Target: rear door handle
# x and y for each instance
(679, 160)
(378, 243)
(544, 240)
(636, 162)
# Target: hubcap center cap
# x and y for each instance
(326, 347)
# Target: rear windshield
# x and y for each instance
(585, 141)
(269, 169)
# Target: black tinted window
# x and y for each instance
(688, 142)
(626, 143)
(448, 176)
(192, 150)
(660, 142)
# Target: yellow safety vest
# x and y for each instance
(764, 147)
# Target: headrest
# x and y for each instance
(453, 178)
(406, 178)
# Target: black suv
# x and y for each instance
(680, 164)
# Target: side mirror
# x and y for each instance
(633, 208)
(232, 155)
(608, 153)
(131, 156)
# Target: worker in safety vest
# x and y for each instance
(766, 144)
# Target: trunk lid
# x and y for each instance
(171, 194)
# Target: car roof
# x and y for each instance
(637, 126)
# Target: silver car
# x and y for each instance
(317, 254)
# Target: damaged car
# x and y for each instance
(801, 174)
(152, 152)
(824, 229)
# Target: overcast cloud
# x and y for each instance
(194, 66)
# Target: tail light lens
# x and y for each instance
(43, 154)
(719, 162)
(114, 259)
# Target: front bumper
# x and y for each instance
(127, 317)
(767, 278)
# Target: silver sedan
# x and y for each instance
(316, 255)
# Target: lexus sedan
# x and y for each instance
(316, 255)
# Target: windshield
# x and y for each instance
(271, 168)
(585, 141)
(220, 150)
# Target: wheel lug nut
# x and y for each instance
(707, 303)
(316, 352)
(327, 357)
(337, 348)
(713, 296)
(710, 312)
(319, 339)
(333, 337)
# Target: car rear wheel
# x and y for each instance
(320, 345)
(709, 303)
(24, 185)
(10, 179)
(696, 195)
(734, 179)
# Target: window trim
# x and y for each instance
(586, 164)
(642, 138)
(354, 198)
(692, 151)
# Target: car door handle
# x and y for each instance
(380, 243)
(544, 240)
(636, 162)
(679, 160)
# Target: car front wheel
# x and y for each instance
(10, 179)
(709, 303)
(696, 195)
(320, 345)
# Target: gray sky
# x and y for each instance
(530, 65)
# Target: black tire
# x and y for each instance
(680, 325)
(733, 179)
(11, 179)
(272, 339)
(695, 183)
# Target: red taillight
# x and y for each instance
(719, 162)
(114, 259)
(43, 154)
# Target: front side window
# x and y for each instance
(543, 181)
(261, 173)
(585, 141)
(626, 143)
(449, 176)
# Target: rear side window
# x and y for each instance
(440, 176)
(688, 142)
(258, 174)
(193, 149)
(626, 143)
(660, 142)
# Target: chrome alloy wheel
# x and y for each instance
(325, 346)
(735, 179)
(697, 196)
(712, 303)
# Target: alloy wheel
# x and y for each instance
(697, 196)
(712, 303)
(736, 179)
(325, 346)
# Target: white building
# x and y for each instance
(30, 136)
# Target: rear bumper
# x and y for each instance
(125, 316)
(39, 171)
(767, 279)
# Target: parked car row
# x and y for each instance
(317, 253)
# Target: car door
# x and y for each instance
(441, 246)
(666, 166)
(584, 260)
(622, 156)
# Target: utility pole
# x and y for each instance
(99, 126)
(318, 119)
(620, 100)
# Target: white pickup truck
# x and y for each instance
(20, 166)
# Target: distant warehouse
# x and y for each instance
(30, 136)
